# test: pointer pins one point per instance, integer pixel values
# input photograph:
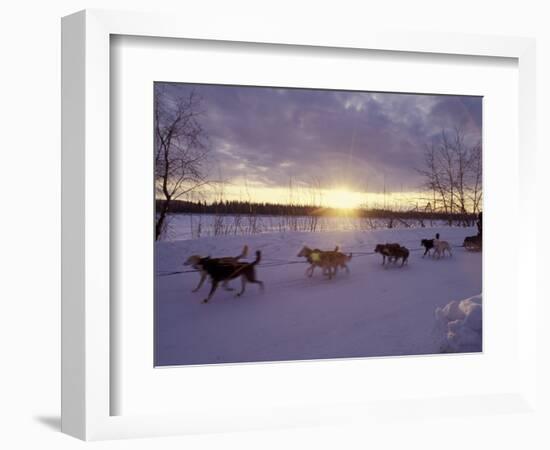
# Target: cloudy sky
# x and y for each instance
(343, 140)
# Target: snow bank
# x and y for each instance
(461, 323)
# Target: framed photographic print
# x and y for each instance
(303, 217)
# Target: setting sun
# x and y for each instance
(344, 199)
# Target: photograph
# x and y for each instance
(296, 224)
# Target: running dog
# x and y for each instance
(428, 244)
(317, 258)
(194, 260)
(222, 272)
(403, 253)
(386, 250)
(393, 252)
(440, 247)
(339, 260)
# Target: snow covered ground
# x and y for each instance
(373, 311)
(191, 226)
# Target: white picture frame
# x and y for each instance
(86, 246)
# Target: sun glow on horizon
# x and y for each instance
(343, 199)
(338, 197)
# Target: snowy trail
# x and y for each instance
(373, 311)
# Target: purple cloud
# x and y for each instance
(338, 137)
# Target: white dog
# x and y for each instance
(440, 247)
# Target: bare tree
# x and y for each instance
(180, 150)
(453, 173)
(434, 176)
(475, 192)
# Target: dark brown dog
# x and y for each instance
(386, 250)
(393, 252)
(194, 260)
(428, 244)
(220, 272)
(401, 253)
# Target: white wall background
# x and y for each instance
(30, 193)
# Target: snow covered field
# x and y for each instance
(192, 226)
(373, 311)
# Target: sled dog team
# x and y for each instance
(222, 270)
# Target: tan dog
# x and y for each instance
(440, 247)
(195, 262)
(339, 260)
(317, 258)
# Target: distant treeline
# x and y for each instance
(233, 207)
